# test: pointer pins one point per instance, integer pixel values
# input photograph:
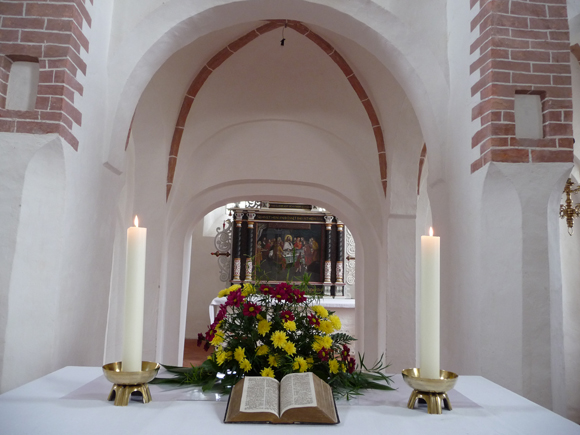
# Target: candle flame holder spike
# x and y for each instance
(432, 391)
(126, 383)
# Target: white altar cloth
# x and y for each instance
(40, 407)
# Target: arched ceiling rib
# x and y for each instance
(221, 56)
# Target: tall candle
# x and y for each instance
(134, 298)
(430, 281)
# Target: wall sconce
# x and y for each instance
(569, 211)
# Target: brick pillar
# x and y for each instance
(50, 33)
(522, 47)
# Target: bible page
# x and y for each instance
(260, 394)
(297, 391)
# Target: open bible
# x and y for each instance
(297, 398)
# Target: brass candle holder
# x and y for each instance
(432, 391)
(126, 383)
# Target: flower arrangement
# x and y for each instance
(273, 331)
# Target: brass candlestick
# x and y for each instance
(126, 383)
(432, 391)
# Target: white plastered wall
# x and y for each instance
(76, 247)
(417, 77)
(570, 252)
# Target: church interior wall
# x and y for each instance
(570, 248)
(204, 283)
(455, 199)
(38, 250)
(236, 146)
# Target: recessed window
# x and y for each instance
(22, 86)
(528, 114)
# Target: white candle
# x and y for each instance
(134, 298)
(430, 270)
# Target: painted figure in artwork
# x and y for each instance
(288, 243)
(315, 250)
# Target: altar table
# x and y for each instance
(48, 406)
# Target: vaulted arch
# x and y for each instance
(221, 56)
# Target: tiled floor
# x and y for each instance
(193, 354)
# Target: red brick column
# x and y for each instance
(523, 47)
(48, 32)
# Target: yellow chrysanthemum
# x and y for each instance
(248, 289)
(234, 287)
(264, 327)
(272, 360)
(279, 339)
(245, 365)
(326, 326)
(240, 353)
(320, 310)
(290, 348)
(223, 293)
(267, 372)
(310, 362)
(299, 364)
(333, 366)
(221, 356)
(218, 339)
(342, 367)
(335, 321)
(262, 350)
(320, 342)
(290, 326)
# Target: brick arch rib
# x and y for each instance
(221, 56)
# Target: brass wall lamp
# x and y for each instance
(569, 211)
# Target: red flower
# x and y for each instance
(286, 288)
(235, 299)
(221, 313)
(287, 316)
(280, 293)
(210, 334)
(324, 354)
(345, 353)
(251, 309)
(199, 339)
(266, 289)
(350, 365)
(313, 320)
(296, 295)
